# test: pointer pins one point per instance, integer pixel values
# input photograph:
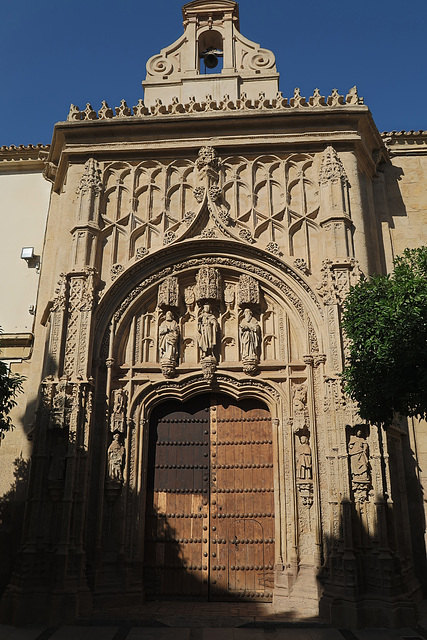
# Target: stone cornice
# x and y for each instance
(405, 142)
(23, 158)
(345, 125)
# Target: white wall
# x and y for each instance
(24, 200)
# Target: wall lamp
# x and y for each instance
(32, 260)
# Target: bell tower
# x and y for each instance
(191, 66)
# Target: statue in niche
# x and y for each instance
(304, 462)
(61, 404)
(299, 404)
(250, 334)
(116, 453)
(117, 421)
(168, 344)
(207, 330)
(300, 398)
(358, 450)
(168, 338)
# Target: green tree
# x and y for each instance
(10, 386)
(385, 320)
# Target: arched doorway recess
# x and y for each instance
(209, 530)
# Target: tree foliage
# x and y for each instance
(385, 320)
(10, 386)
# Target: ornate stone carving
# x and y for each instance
(297, 100)
(335, 99)
(116, 270)
(223, 216)
(352, 96)
(140, 253)
(189, 216)
(226, 104)
(331, 169)
(140, 109)
(118, 414)
(304, 460)
(116, 454)
(360, 468)
(105, 112)
(246, 235)
(89, 113)
(62, 404)
(60, 300)
(301, 264)
(169, 237)
(209, 284)
(306, 492)
(91, 178)
(199, 193)
(304, 470)
(229, 294)
(168, 344)
(210, 232)
(299, 406)
(168, 293)
(316, 100)
(74, 113)
(337, 278)
(273, 248)
(248, 291)
(123, 110)
(250, 338)
(215, 192)
(207, 327)
(189, 296)
(229, 262)
(208, 364)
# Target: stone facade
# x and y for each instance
(203, 243)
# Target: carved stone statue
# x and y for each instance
(250, 333)
(304, 461)
(299, 398)
(168, 344)
(62, 404)
(358, 450)
(116, 452)
(117, 420)
(207, 330)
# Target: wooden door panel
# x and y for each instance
(243, 509)
(210, 501)
(177, 501)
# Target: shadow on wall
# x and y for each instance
(366, 577)
(12, 507)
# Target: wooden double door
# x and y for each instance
(209, 529)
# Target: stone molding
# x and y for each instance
(334, 101)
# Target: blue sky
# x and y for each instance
(55, 52)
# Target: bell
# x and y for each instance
(211, 60)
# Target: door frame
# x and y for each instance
(238, 388)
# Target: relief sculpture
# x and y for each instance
(117, 420)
